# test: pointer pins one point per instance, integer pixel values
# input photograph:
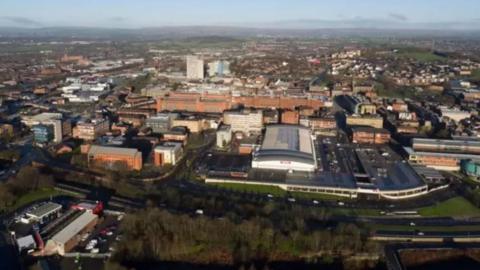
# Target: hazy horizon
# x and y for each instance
(300, 14)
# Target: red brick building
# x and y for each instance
(369, 135)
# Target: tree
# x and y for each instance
(6, 196)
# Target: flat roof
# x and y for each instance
(108, 150)
(447, 142)
(411, 151)
(387, 173)
(44, 209)
(74, 228)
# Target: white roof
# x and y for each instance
(286, 137)
(74, 228)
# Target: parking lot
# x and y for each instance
(103, 237)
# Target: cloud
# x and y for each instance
(21, 20)
(118, 19)
(398, 17)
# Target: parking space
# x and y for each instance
(103, 237)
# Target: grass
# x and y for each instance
(475, 75)
(278, 192)
(422, 56)
(454, 207)
(35, 196)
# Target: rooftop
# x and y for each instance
(106, 150)
(74, 228)
(286, 137)
(44, 209)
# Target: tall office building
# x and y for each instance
(195, 67)
(219, 68)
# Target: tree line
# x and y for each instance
(158, 235)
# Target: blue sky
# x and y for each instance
(146, 13)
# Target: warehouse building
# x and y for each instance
(66, 239)
(286, 147)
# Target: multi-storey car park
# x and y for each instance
(293, 160)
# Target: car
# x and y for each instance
(199, 212)
(109, 233)
(341, 203)
(420, 233)
(412, 224)
(315, 202)
(90, 246)
(85, 236)
(120, 217)
(270, 196)
(95, 250)
(102, 240)
(292, 200)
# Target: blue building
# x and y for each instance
(42, 133)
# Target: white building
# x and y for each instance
(224, 135)
(454, 114)
(168, 153)
(286, 147)
(247, 121)
(195, 68)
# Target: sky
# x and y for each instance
(251, 13)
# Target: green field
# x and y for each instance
(422, 56)
(475, 75)
(33, 196)
(455, 207)
(278, 192)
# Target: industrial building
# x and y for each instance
(286, 147)
(115, 157)
(442, 154)
(343, 170)
(66, 239)
(447, 146)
